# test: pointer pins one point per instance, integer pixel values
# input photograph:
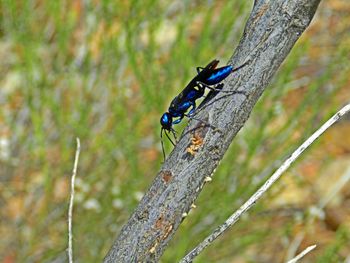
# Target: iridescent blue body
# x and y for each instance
(219, 75)
(208, 77)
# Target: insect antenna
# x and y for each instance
(161, 140)
(167, 135)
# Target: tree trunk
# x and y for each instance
(271, 31)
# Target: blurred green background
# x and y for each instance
(105, 71)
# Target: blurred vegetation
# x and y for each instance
(105, 71)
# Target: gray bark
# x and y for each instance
(271, 31)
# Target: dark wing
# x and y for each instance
(185, 94)
(212, 65)
(189, 92)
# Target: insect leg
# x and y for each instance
(201, 121)
(178, 120)
(174, 134)
(241, 66)
(214, 88)
(193, 104)
(218, 87)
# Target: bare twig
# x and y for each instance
(302, 254)
(295, 244)
(70, 211)
(252, 200)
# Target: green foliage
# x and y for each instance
(332, 253)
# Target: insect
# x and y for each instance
(208, 77)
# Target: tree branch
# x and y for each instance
(271, 31)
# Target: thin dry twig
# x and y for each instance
(293, 248)
(253, 199)
(70, 211)
(302, 254)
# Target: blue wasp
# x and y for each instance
(208, 77)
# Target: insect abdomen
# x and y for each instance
(219, 75)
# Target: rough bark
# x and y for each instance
(271, 31)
